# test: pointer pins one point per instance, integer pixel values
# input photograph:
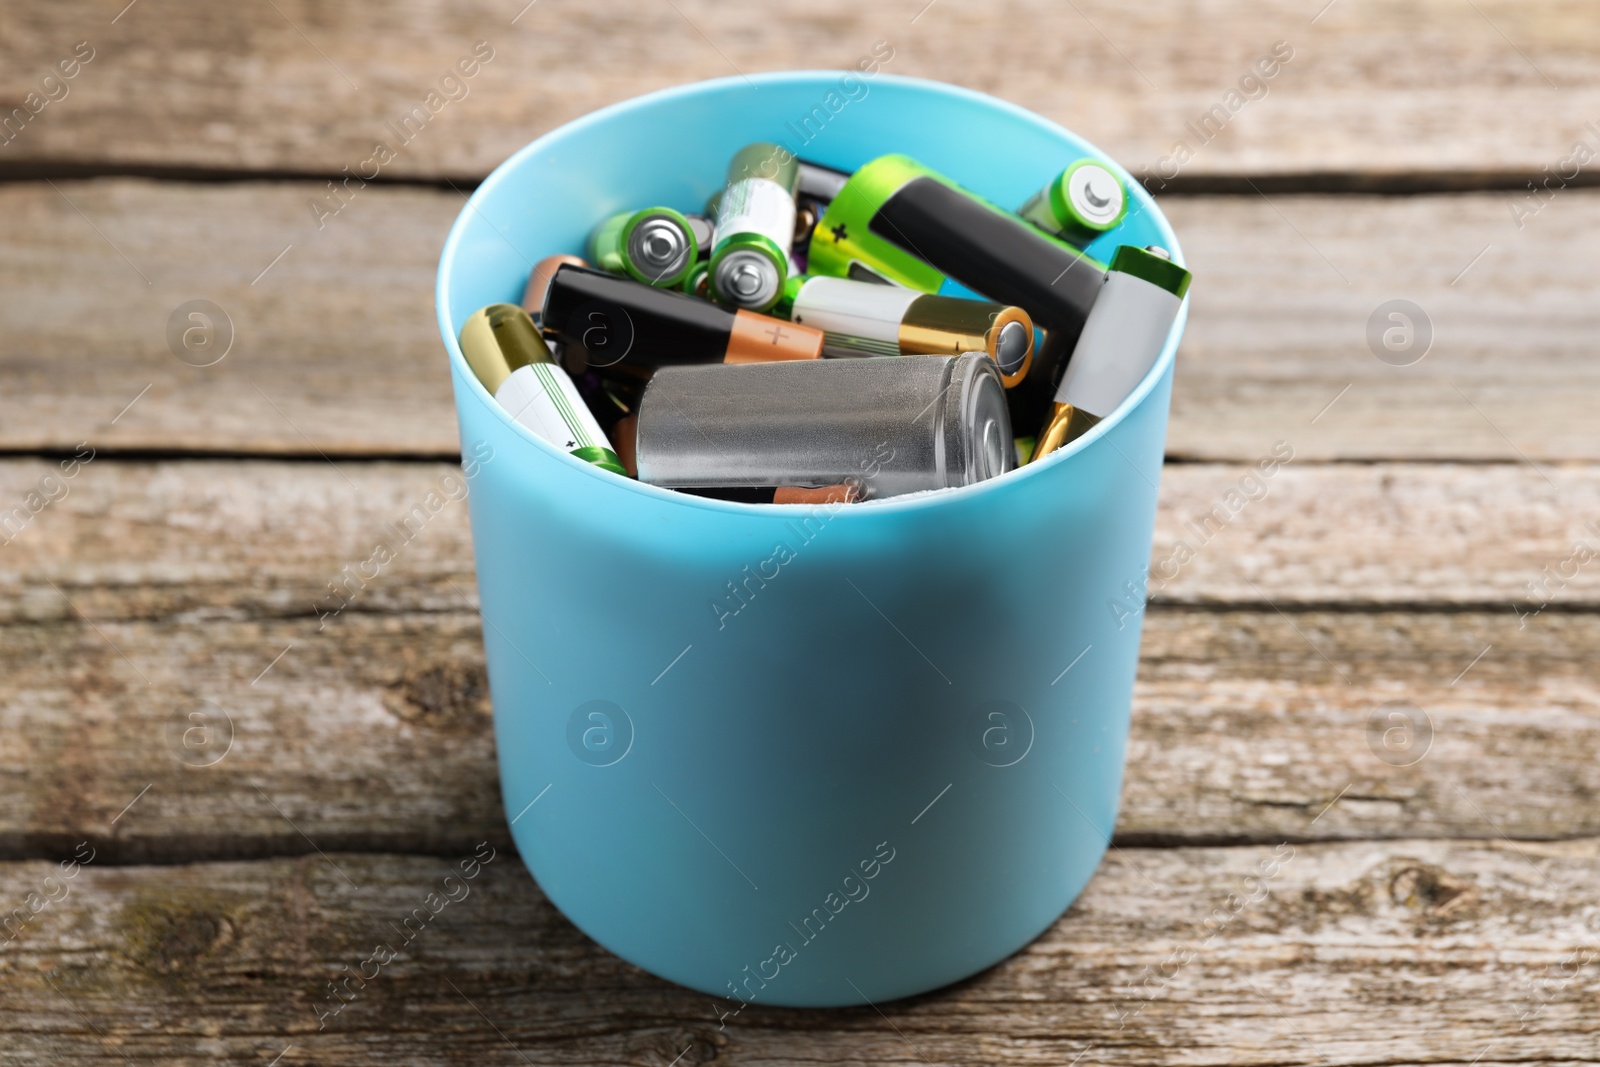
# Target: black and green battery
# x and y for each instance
(901, 221)
(1082, 202)
(656, 246)
(755, 227)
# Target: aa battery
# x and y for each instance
(863, 319)
(1122, 340)
(888, 424)
(819, 181)
(806, 213)
(704, 228)
(915, 227)
(539, 281)
(611, 321)
(698, 281)
(755, 227)
(512, 361)
(656, 246)
(1079, 204)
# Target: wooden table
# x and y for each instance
(233, 770)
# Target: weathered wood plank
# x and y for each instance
(1285, 317)
(1395, 952)
(374, 735)
(335, 347)
(309, 87)
(251, 539)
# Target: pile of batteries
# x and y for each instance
(790, 345)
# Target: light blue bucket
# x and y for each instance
(894, 757)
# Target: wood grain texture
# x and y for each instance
(234, 740)
(1394, 952)
(308, 87)
(1495, 362)
(336, 349)
(215, 539)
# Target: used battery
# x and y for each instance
(863, 319)
(512, 361)
(889, 424)
(1079, 204)
(819, 181)
(612, 321)
(755, 227)
(704, 228)
(539, 281)
(656, 246)
(843, 493)
(906, 223)
(1121, 341)
(698, 281)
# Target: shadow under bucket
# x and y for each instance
(783, 754)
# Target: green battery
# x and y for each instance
(656, 246)
(1079, 204)
(901, 221)
(698, 281)
(755, 227)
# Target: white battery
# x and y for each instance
(1121, 340)
(541, 397)
(857, 318)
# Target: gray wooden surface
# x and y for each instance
(1442, 911)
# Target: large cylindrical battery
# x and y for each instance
(916, 227)
(755, 227)
(890, 424)
(609, 321)
(865, 319)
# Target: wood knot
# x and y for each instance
(171, 938)
(1430, 890)
(442, 696)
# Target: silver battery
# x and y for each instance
(820, 182)
(705, 233)
(659, 247)
(888, 424)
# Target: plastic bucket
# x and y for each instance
(789, 755)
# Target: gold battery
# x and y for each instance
(948, 326)
(1065, 423)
